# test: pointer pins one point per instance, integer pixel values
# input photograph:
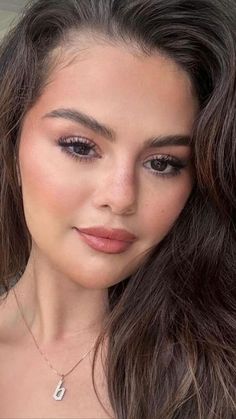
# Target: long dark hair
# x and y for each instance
(172, 324)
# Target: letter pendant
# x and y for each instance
(60, 391)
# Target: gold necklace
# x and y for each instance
(60, 390)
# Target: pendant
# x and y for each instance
(60, 391)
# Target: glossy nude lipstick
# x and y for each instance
(107, 240)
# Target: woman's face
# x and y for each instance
(77, 173)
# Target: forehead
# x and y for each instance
(122, 85)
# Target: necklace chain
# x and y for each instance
(40, 350)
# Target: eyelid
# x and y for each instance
(176, 164)
(168, 157)
(72, 139)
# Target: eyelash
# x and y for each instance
(66, 142)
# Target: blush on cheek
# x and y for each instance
(51, 191)
(162, 213)
(48, 193)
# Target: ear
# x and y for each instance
(17, 172)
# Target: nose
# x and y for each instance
(117, 190)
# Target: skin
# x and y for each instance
(63, 290)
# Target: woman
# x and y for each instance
(118, 210)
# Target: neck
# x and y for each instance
(58, 309)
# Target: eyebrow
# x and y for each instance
(105, 131)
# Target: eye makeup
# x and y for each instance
(84, 150)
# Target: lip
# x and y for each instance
(107, 240)
(109, 233)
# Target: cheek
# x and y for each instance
(163, 208)
(48, 190)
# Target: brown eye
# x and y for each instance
(158, 165)
(165, 166)
(81, 148)
(78, 148)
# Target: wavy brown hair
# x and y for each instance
(172, 324)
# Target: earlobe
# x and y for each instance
(17, 172)
(18, 176)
